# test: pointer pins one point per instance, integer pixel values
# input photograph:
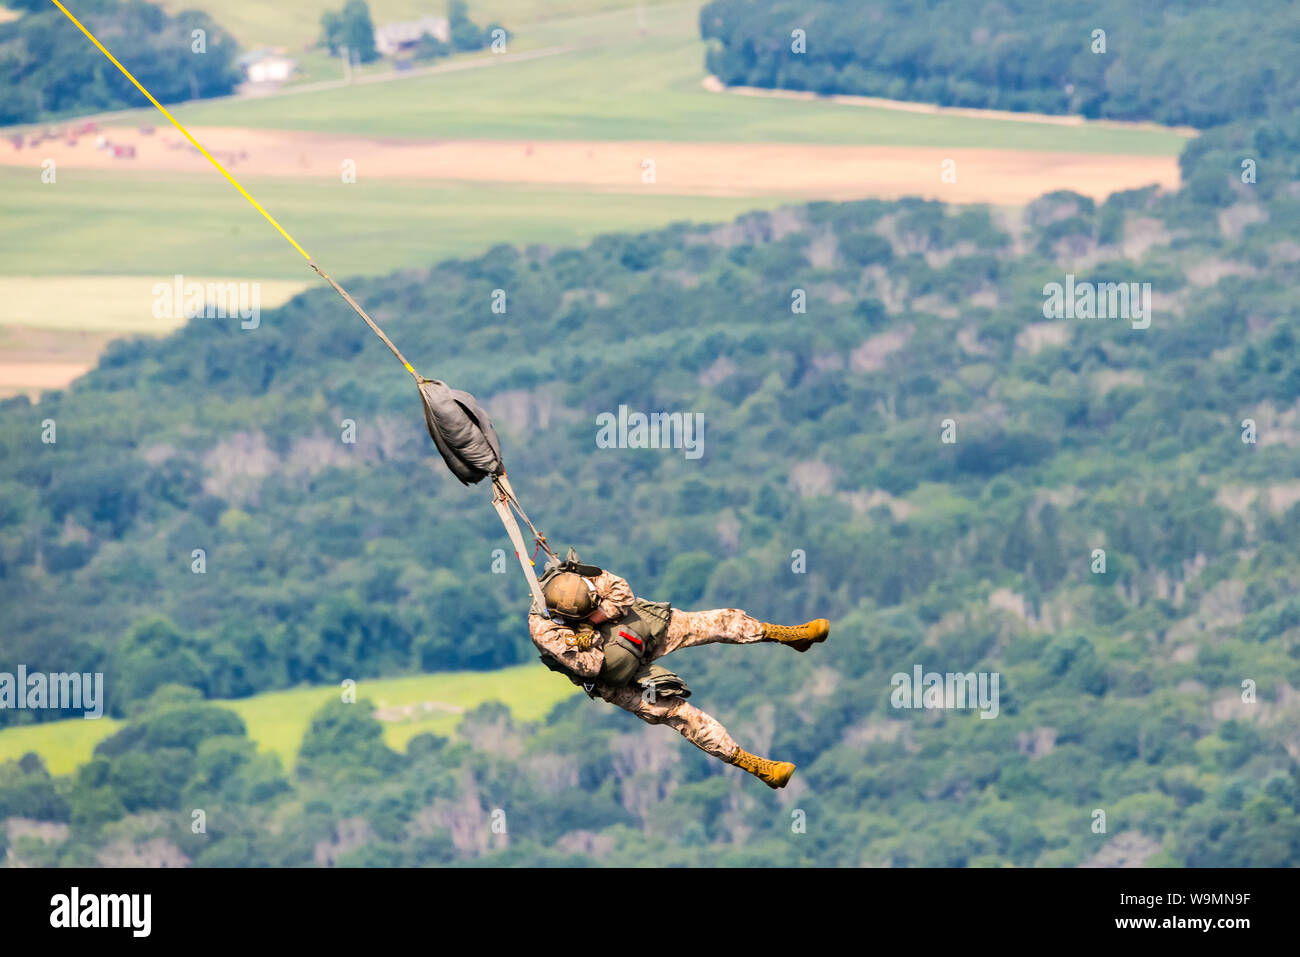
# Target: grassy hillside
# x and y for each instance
(621, 83)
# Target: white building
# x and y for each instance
(394, 38)
(266, 67)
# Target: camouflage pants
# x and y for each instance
(687, 629)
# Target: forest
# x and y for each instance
(1096, 58)
(45, 74)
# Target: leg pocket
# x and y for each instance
(661, 682)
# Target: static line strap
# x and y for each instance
(502, 484)
(374, 326)
(512, 529)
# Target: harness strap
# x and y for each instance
(509, 493)
(500, 503)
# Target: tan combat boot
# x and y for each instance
(799, 637)
(775, 774)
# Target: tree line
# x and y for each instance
(1108, 59)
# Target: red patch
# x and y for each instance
(630, 637)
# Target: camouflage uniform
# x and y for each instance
(685, 629)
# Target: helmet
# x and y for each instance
(570, 595)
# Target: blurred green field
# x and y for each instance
(156, 225)
(278, 720)
(112, 303)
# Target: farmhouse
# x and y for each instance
(394, 38)
(265, 66)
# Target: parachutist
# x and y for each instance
(608, 641)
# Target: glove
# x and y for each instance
(582, 640)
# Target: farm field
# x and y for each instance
(102, 223)
(645, 167)
(109, 303)
(278, 720)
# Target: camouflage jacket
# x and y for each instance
(555, 638)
